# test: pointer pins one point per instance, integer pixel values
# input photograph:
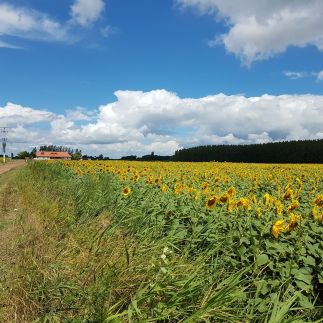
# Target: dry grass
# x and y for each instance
(49, 272)
(8, 230)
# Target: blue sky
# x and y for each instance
(189, 47)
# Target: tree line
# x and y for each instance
(302, 151)
(150, 157)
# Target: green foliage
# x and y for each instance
(302, 151)
(77, 155)
(158, 257)
(23, 155)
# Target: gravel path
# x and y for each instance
(12, 164)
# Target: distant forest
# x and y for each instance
(303, 151)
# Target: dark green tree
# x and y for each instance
(23, 154)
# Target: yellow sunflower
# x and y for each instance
(211, 202)
(224, 198)
(243, 202)
(278, 227)
(126, 191)
(294, 205)
(288, 194)
(293, 221)
(317, 215)
(164, 188)
(232, 191)
(319, 201)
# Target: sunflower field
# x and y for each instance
(193, 242)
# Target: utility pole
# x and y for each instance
(4, 132)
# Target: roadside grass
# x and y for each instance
(77, 251)
(8, 237)
(8, 159)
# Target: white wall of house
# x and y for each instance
(48, 158)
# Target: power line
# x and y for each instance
(4, 133)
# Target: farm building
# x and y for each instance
(45, 155)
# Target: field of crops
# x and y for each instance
(149, 241)
(284, 196)
(268, 217)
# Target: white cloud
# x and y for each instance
(295, 75)
(259, 29)
(80, 114)
(30, 24)
(160, 121)
(320, 76)
(108, 31)
(86, 12)
(4, 44)
(21, 136)
(12, 114)
(26, 23)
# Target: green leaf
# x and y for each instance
(262, 260)
(304, 276)
(309, 260)
(181, 234)
(302, 285)
(263, 306)
(305, 303)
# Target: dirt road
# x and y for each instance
(12, 164)
(8, 241)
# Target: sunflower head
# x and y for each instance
(278, 227)
(224, 198)
(317, 215)
(243, 202)
(204, 186)
(211, 202)
(294, 205)
(288, 194)
(267, 199)
(293, 221)
(279, 207)
(126, 191)
(164, 188)
(319, 201)
(232, 191)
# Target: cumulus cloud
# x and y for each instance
(259, 29)
(80, 114)
(12, 114)
(31, 24)
(140, 122)
(86, 12)
(23, 22)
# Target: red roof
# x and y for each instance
(53, 154)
